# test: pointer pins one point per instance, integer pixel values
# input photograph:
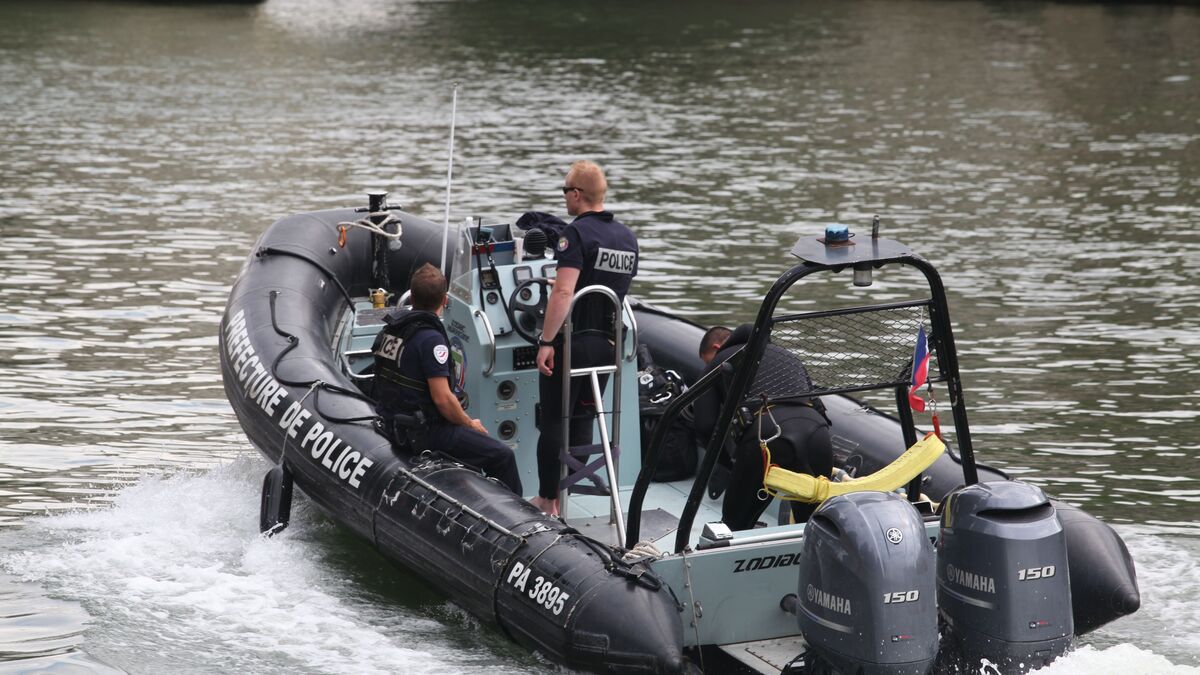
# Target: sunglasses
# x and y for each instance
(568, 188)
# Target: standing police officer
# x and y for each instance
(413, 372)
(595, 248)
(804, 445)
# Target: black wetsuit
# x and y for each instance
(805, 445)
(411, 349)
(604, 251)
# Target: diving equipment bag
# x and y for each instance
(656, 389)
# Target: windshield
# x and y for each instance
(460, 266)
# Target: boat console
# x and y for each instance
(498, 295)
(499, 289)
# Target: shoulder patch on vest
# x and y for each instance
(441, 353)
(563, 244)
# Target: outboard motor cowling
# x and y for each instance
(867, 594)
(1003, 585)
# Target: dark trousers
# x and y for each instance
(804, 447)
(586, 351)
(478, 450)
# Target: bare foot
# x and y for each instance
(546, 506)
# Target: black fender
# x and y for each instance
(464, 533)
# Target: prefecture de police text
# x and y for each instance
(346, 463)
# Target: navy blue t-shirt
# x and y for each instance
(604, 251)
(425, 355)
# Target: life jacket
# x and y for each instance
(390, 385)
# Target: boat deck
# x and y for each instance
(660, 514)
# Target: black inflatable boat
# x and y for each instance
(640, 576)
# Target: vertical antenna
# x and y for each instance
(449, 175)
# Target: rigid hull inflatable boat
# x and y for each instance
(644, 577)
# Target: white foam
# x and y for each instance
(1125, 659)
(1168, 622)
(176, 573)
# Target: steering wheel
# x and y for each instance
(524, 313)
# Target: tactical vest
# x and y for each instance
(610, 253)
(780, 375)
(389, 381)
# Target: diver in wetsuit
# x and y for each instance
(805, 445)
(413, 372)
(595, 248)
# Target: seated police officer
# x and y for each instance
(804, 445)
(595, 248)
(413, 372)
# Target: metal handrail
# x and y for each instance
(633, 330)
(615, 514)
(346, 363)
(491, 341)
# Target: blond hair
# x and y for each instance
(589, 178)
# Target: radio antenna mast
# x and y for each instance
(449, 175)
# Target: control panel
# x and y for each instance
(524, 358)
(498, 296)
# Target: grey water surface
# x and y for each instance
(1046, 157)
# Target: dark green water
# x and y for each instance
(1046, 157)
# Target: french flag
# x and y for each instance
(920, 372)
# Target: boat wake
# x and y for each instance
(1123, 658)
(175, 575)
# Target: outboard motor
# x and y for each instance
(1003, 587)
(867, 596)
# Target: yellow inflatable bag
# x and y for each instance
(814, 489)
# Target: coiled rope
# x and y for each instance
(366, 224)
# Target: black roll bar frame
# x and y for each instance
(748, 359)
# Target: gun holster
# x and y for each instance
(407, 430)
